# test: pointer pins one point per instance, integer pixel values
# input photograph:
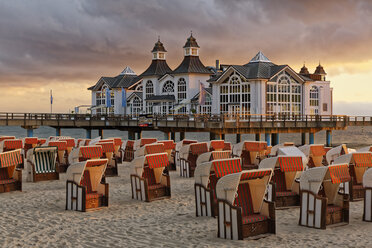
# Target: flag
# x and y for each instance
(51, 97)
(123, 97)
(108, 98)
(202, 94)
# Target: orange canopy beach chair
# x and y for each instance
(10, 176)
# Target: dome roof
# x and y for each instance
(304, 70)
(191, 42)
(320, 70)
(159, 47)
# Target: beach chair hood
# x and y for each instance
(335, 152)
(293, 151)
(367, 179)
(96, 168)
(202, 172)
(94, 141)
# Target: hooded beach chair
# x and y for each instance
(129, 151)
(179, 145)
(118, 153)
(315, 154)
(10, 176)
(41, 142)
(90, 152)
(29, 143)
(251, 152)
(149, 149)
(335, 152)
(242, 209)
(367, 184)
(284, 190)
(274, 149)
(8, 145)
(70, 144)
(358, 163)
(322, 201)
(210, 156)
(169, 147)
(227, 146)
(62, 156)
(142, 142)
(190, 154)
(108, 151)
(84, 189)
(6, 137)
(216, 145)
(206, 176)
(149, 181)
(41, 164)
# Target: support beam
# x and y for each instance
(258, 137)
(182, 135)
(88, 133)
(275, 139)
(167, 135)
(311, 138)
(268, 139)
(139, 135)
(100, 133)
(58, 131)
(212, 136)
(329, 138)
(238, 138)
(303, 138)
(173, 136)
(222, 136)
(131, 135)
(30, 132)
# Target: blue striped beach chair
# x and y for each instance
(42, 165)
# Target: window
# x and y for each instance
(207, 107)
(284, 96)
(139, 87)
(149, 91)
(136, 106)
(168, 87)
(314, 97)
(194, 51)
(161, 55)
(101, 101)
(181, 94)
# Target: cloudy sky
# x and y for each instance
(66, 45)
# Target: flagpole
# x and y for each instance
(51, 101)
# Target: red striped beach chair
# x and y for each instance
(70, 144)
(358, 163)
(170, 147)
(10, 176)
(6, 138)
(274, 149)
(129, 151)
(149, 180)
(90, 152)
(242, 210)
(210, 156)
(41, 141)
(206, 176)
(322, 203)
(142, 142)
(316, 155)
(251, 152)
(179, 145)
(62, 156)
(227, 146)
(41, 165)
(108, 149)
(29, 143)
(190, 154)
(216, 145)
(284, 189)
(367, 184)
(11, 145)
(84, 189)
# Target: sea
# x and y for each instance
(353, 137)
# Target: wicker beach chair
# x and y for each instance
(129, 151)
(367, 184)
(29, 143)
(210, 156)
(118, 143)
(207, 175)
(41, 164)
(315, 154)
(149, 181)
(216, 145)
(10, 176)
(284, 190)
(188, 156)
(143, 141)
(358, 163)
(90, 152)
(84, 189)
(335, 152)
(108, 151)
(227, 146)
(274, 149)
(242, 209)
(8, 145)
(62, 156)
(149, 149)
(322, 201)
(251, 152)
(179, 145)
(6, 137)
(169, 147)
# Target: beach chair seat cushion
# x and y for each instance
(253, 218)
(333, 208)
(285, 193)
(6, 181)
(4, 174)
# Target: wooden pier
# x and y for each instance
(216, 125)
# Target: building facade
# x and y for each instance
(257, 88)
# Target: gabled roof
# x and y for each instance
(157, 68)
(191, 64)
(119, 81)
(135, 93)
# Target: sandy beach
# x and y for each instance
(37, 217)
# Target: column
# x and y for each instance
(58, 131)
(88, 133)
(167, 135)
(139, 135)
(311, 138)
(238, 138)
(30, 132)
(212, 136)
(275, 139)
(131, 135)
(268, 139)
(303, 138)
(182, 135)
(100, 133)
(173, 136)
(222, 136)
(329, 138)
(258, 137)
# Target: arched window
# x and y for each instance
(168, 87)
(314, 100)
(139, 87)
(149, 89)
(283, 96)
(136, 106)
(182, 92)
(101, 101)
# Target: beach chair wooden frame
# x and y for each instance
(242, 210)
(84, 189)
(367, 206)
(10, 176)
(149, 181)
(320, 208)
(108, 151)
(11, 145)
(207, 175)
(62, 155)
(358, 163)
(42, 164)
(190, 154)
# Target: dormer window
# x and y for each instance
(194, 51)
(154, 56)
(161, 56)
(187, 50)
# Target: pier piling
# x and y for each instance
(311, 138)
(267, 139)
(131, 135)
(258, 137)
(329, 138)
(100, 133)
(173, 136)
(58, 131)
(182, 135)
(303, 138)
(30, 132)
(88, 133)
(238, 138)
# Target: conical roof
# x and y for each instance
(320, 70)
(159, 47)
(304, 70)
(127, 71)
(260, 57)
(191, 42)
